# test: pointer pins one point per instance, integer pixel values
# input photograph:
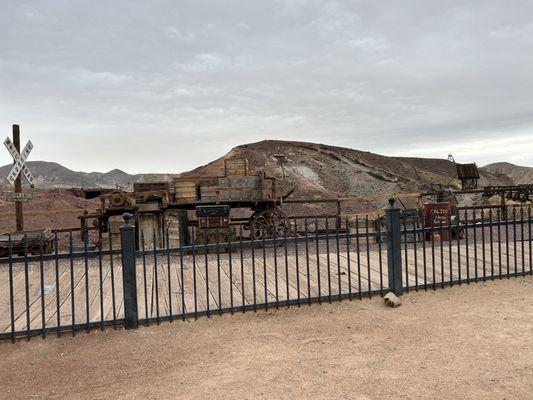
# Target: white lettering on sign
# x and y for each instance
(16, 197)
(19, 162)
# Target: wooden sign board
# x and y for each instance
(435, 215)
(16, 197)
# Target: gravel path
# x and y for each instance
(467, 342)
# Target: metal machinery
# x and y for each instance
(147, 203)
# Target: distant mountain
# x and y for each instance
(518, 174)
(54, 175)
(51, 174)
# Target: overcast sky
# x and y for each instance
(164, 86)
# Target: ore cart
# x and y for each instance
(213, 197)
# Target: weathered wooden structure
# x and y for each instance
(468, 174)
(147, 203)
(201, 202)
(520, 193)
(238, 188)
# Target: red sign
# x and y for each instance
(436, 214)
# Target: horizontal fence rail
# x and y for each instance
(60, 284)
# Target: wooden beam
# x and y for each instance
(19, 217)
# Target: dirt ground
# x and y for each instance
(50, 208)
(468, 342)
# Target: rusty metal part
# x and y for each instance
(521, 193)
(118, 199)
(269, 224)
(216, 216)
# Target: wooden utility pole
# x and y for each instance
(18, 183)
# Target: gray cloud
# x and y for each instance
(95, 85)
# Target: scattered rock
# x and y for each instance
(392, 300)
(46, 289)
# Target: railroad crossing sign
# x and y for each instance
(19, 162)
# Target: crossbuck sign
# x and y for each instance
(20, 162)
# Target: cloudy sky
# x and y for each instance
(163, 86)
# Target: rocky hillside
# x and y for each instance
(516, 173)
(318, 171)
(56, 208)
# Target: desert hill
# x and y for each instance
(517, 174)
(318, 170)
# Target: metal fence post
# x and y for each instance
(394, 249)
(129, 273)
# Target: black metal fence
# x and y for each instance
(474, 245)
(220, 272)
(316, 260)
(42, 292)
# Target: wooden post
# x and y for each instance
(19, 218)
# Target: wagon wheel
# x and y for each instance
(118, 199)
(269, 223)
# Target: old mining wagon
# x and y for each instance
(195, 208)
(213, 197)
